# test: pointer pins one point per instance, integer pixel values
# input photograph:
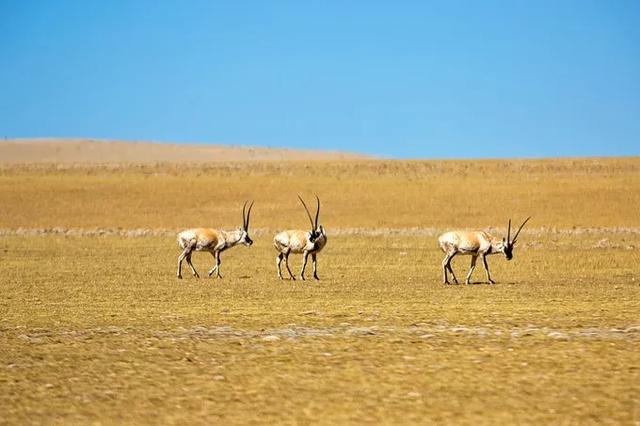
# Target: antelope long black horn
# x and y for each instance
(509, 232)
(317, 212)
(244, 216)
(519, 229)
(307, 210)
(248, 216)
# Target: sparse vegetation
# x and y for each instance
(97, 328)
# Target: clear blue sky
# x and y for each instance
(450, 79)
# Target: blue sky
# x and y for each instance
(450, 79)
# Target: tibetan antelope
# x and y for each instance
(214, 241)
(475, 243)
(307, 243)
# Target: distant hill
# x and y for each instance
(15, 151)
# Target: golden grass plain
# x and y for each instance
(97, 329)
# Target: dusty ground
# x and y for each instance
(74, 151)
(94, 326)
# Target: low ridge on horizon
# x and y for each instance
(96, 151)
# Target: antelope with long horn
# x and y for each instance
(305, 242)
(475, 243)
(214, 241)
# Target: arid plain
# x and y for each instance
(95, 327)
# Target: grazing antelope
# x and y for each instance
(307, 243)
(475, 243)
(214, 241)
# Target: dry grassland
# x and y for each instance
(98, 329)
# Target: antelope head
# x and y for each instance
(316, 231)
(508, 243)
(244, 230)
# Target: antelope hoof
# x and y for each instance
(179, 276)
(316, 277)
(302, 278)
(467, 282)
(196, 275)
(492, 282)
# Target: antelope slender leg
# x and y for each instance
(215, 264)
(450, 268)
(445, 266)
(486, 268)
(474, 258)
(195, 273)
(286, 263)
(455, 280)
(445, 279)
(315, 266)
(184, 254)
(278, 262)
(305, 255)
(218, 275)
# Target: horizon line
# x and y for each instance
(369, 157)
